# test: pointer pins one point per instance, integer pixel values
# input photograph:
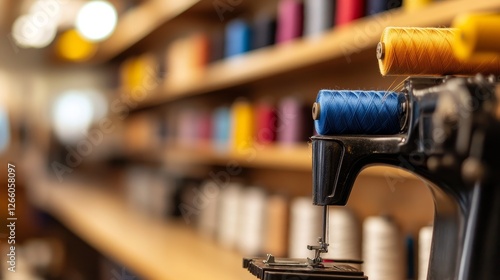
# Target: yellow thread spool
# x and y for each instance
(242, 124)
(412, 5)
(426, 52)
(477, 36)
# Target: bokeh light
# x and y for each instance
(96, 20)
(72, 46)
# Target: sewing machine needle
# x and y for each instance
(325, 226)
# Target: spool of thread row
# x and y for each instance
(305, 227)
(344, 234)
(382, 250)
(426, 51)
(242, 124)
(424, 251)
(359, 112)
(477, 37)
(251, 226)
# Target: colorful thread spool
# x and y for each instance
(238, 38)
(305, 227)
(410, 257)
(276, 226)
(187, 57)
(4, 129)
(358, 112)
(294, 124)
(318, 16)
(204, 123)
(412, 5)
(290, 18)
(221, 128)
(377, 6)
(242, 124)
(264, 31)
(229, 215)
(382, 250)
(266, 123)
(207, 223)
(251, 228)
(424, 251)
(349, 10)
(426, 51)
(187, 130)
(216, 45)
(477, 37)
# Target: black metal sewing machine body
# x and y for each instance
(449, 138)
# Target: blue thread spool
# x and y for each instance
(378, 6)
(4, 129)
(221, 125)
(358, 112)
(238, 38)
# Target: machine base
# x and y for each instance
(330, 270)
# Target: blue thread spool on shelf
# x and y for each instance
(238, 38)
(4, 129)
(221, 125)
(359, 112)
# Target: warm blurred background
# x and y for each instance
(167, 139)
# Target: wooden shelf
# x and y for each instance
(139, 22)
(295, 158)
(154, 249)
(338, 44)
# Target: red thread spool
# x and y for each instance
(266, 123)
(349, 10)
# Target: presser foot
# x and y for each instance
(272, 268)
(318, 250)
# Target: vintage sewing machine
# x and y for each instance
(450, 137)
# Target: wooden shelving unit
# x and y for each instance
(154, 249)
(295, 158)
(340, 43)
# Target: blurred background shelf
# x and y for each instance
(154, 249)
(334, 46)
(138, 23)
(291, 158)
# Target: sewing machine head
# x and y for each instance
(449, 128)
(444, 130)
